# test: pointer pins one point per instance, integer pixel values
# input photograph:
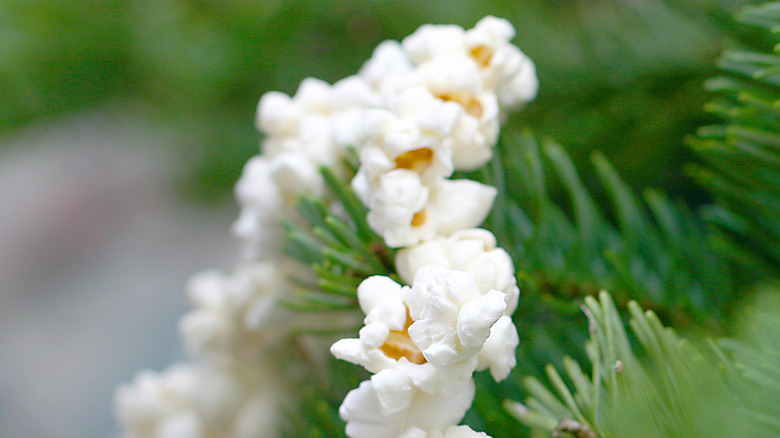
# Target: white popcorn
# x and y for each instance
(281, 115)
(498, 351)
(304, 123)
(384, 339)
(451, 432)
(474, 251)
(258, 416)
(231, 318)
(310, 129)
(457, 82)
(267, 191)
(295, 174)
(458, 204)
(476, 131)
(448, 77)
(261, 203)
(452, 319)
(403, 156)
(303, 132)
(423, 343)
(443, 111)
(491, 33)
(417, 122)
(470, 250)
(518, 83)
(390, 404)
(395, 206)
(504, 69)
(480, 71)
(312, 140)
(190, 401)
(404, 211)
(441, 322)
(387, 66)
(431, 41)
(160, 404)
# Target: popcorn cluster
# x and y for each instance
(445, 95)
(424, 342)
(415, 112)
(194, 400)
(446, 91)
(228, 388)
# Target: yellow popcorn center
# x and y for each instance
(398, 345)
(467, 101)
(417, 159)
(482, 55)
(418, 218)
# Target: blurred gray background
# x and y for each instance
(95, 250)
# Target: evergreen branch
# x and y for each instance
(340, 251)
(720, 389)
(357, 212)
(742, 155)
(658, 253)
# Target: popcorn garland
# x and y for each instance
(416, 112)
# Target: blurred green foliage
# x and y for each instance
(662, 385)
(621, 76)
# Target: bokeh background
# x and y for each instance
(124, 125)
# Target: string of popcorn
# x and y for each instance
(423, 342)
(415, 112)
